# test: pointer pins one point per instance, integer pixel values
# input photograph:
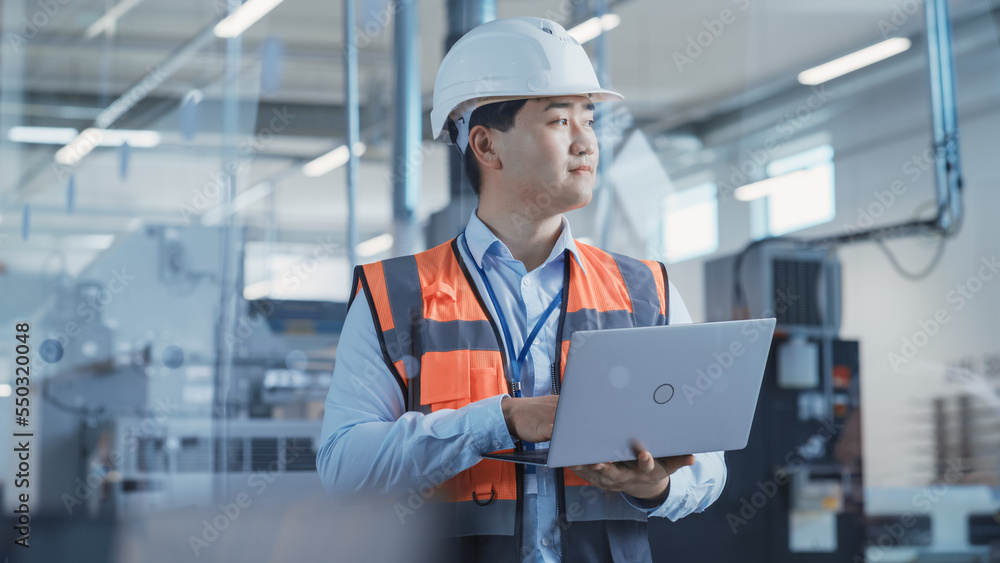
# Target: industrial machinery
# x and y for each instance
(133, 421)
(795, 492)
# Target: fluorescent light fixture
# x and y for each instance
(80, 146)
(244, 16)
(331, 160)
(108, 20)
(854, 61)
(769, 186)
(141, 139)
(374, 245)
(594, 26)
(84, 142)
(41, 135)
(93, 242)
(5, 390)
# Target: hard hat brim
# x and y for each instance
(463, 107)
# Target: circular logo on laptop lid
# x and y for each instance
(663, 393)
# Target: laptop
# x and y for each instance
(676, 389)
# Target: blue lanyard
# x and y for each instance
(516, 359)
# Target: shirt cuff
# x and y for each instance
(680, 483)
(487, 421)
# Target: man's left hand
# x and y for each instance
(645, 478)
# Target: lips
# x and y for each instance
(582, 169)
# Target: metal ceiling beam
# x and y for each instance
(311, 120)
(715, 114)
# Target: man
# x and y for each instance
(459, 351)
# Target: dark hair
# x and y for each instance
(499, 116)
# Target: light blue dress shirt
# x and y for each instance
(370, 444)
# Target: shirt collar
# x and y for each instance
(481, 239)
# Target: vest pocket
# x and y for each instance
(485, 383)
(444, 379)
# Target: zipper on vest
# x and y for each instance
(556, 385)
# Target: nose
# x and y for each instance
(584, 141)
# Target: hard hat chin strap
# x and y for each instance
(462, 127)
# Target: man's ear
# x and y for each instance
(482, 144)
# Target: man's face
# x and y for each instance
(550, 156)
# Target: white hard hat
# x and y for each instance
(510, 59)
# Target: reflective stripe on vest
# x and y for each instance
(448, 355)
(442, 346)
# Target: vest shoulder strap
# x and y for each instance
(393, 290)
(641, 286)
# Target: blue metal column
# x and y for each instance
(463, 15)
(407, 156)
(604, 214)
(944, 115)
(353, 129)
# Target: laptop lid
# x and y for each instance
(678, 389)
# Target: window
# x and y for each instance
(805, 195)
(691, 223)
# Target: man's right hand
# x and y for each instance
(530, 418)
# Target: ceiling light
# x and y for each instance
(769, 186)
(141, 139)
(81, 145)
(594, 26)
(93, 242)
(41, 135)
(244, 16)
(331, 160)
(97, 136)
(854, 61)
(374, 245)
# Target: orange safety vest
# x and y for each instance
(445, 351)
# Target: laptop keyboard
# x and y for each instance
(534, 456)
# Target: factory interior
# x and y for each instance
(186, 188)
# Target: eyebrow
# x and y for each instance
(564, 105)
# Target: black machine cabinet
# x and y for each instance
(751, 520)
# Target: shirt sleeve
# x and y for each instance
(678, 313)
(695, 487)
(369, 443)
